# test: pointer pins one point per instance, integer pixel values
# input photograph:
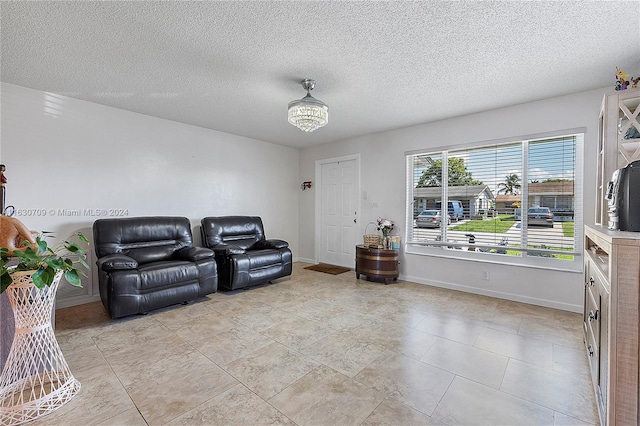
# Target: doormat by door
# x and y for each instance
(327, 269)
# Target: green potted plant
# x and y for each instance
(36, 374)
(45, 261)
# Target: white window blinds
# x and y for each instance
(515, 199)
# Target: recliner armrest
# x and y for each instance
(228, 249)
(194, 253)
(115, 262)
(271, 244)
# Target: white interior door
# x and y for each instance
(338, 213)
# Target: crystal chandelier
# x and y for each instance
(308, 113)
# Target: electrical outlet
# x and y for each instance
(485, 275)
(374, 204)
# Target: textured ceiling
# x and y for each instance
(234, 66)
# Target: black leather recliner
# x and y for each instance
(146, 263)
(245, 257)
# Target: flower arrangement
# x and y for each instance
(385, 226)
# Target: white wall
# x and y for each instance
(66, 154)
(97, 157)
(383, 178)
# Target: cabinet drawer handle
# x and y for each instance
(592, 281)
(593, 315)
(590, 349)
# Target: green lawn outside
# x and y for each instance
(568, 229)
(499, 225)
(555, 256)
(503, 223)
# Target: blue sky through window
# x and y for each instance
(548, 159)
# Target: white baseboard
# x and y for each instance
(303, 260)
(498, 294)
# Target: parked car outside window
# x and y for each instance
(430, 219)
(455, 209)
(540, 216)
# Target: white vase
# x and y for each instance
(36, 379)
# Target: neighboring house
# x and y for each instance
(473, 198)
(558, 196)
(504, 202)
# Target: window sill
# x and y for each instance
(575, 265)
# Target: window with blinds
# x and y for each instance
(510, 199)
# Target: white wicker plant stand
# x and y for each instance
(36, 379)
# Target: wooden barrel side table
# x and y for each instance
(376, 263)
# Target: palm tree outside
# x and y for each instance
(510, 186)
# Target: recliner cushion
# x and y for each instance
(162, 251)
(271, 244)
(162, 274)
(262, 258)
(194, 253)
(239, 231)
(114, 262)
(149, 239)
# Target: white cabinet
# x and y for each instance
(611, 323)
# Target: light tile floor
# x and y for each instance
(317, 349)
